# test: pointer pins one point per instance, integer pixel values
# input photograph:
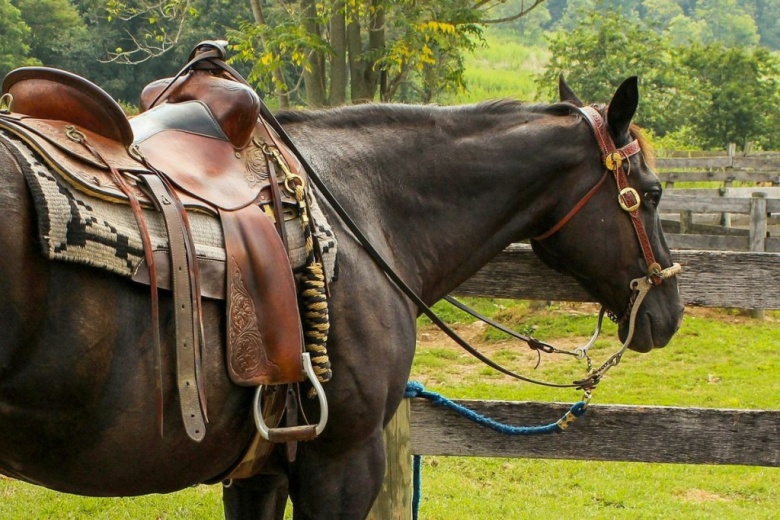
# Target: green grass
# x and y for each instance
(719, 359)
(502, 69)
(27, 502)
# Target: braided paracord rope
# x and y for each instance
(315, 318)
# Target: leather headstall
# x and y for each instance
(628, 198)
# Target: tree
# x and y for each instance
(740, 94)
(766, 13)
(325, 52)
(713, 94)
(727, 23)
(59, 37)
(530, 27)
(602, 50)
(14, 39)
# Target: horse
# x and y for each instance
(438, 191)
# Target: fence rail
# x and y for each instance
(606, 432)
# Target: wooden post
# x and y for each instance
(758, 228)
(686, 222)
(725, 218)
(395, 499)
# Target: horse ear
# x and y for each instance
(623, 106)
(566, 93)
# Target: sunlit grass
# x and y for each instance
(502, 69)
(720, 359)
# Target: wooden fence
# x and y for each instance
(606, 432)
(753, 206)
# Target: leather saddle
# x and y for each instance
(200, 145)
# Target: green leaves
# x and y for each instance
(711, 93)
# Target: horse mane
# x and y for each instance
(647, 149)
(355, 116)
(374, 113)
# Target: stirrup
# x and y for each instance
(305, 432)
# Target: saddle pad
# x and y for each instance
(76, 227)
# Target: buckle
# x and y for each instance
(613, 161)
(5, 103)
(629, 199)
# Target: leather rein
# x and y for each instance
(629, 200)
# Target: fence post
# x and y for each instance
(395, 499)
(725, 218)
(758, 228)
(686, 222)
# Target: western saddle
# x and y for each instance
(198, 144)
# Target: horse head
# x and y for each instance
(606, 231)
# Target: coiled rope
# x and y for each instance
(313, 294)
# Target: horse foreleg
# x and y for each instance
(337, 485)
(262, 497)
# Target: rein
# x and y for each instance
(629, 200)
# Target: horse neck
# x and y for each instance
(439, 191)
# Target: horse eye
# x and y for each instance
(653, 197)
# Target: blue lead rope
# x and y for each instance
(415, 389)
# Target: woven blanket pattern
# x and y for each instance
(76, 227)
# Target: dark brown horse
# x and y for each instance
(439, 192)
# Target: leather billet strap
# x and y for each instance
(187, 313)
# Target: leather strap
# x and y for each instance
(629, 199)
(187, 333)
(276, 199)
(135, 206)
(575, 209)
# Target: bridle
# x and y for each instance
(629, 200)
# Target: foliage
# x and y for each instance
(395, 50)
(712, 94)
(601, 51)
(15, 37)
(739, 95)
(58, 34)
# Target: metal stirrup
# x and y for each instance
(305, 432)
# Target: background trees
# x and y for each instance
(708, 68)
(15, 37)
(710, 91)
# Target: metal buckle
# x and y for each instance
(626, 203)
(135, 152)
(5, 103)
(74, 134)
(613, 161)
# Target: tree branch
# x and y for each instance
(523, 11)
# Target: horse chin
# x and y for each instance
(648, 334)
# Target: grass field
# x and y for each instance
(502, 69)
(718, 359)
